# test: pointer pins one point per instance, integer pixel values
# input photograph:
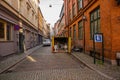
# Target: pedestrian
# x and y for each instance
(65, 47)
(55, 47)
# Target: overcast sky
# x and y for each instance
(51, 14)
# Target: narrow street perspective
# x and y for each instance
(44, 65)
(59, 39)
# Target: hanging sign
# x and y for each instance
(16, 27)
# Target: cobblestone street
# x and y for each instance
(44, 65)
(42, 59)
(60, 40)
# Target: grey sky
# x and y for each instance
(51, 14)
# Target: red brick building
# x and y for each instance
(83, 18)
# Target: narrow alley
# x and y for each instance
(44, 65)
(59, 39)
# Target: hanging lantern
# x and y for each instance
(50, 5)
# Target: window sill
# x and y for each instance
(5, 41)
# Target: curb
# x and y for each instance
(26, 52)
(5, 69)
(99, 72)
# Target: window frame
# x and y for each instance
(5, 30)
(70, 14)
(74, 32)
(6, 34)
(94, 25)
(70, 32)
(80, 4)
(80, 30)
(74, 10)
(10, 32)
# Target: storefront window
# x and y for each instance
(2, 30)
(8, 32)
(5, 31)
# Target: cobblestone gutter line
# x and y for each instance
(10, 62)
(91, 67)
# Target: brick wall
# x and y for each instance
(115, 25)
(109, 26)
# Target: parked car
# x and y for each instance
(46, 42)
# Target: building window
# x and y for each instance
(70, 15)
(5, 31)
(80, 30)
(94, 22)
(2, 30)
(70, 32)
(79, 4)
(74, 32)
(28, 6)
(9, 32)
(74, 10)
(33, 13)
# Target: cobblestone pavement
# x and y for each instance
(44, 65)
(112, 71)
(43, 59)
(54, 74)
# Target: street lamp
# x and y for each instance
(84, 19)
(50, 5)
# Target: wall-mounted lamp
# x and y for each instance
(84, 17)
